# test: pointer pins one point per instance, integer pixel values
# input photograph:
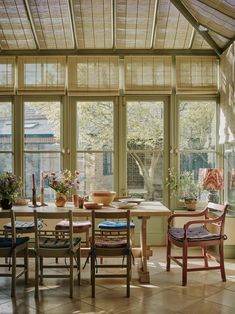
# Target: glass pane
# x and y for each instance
(96, 172)
(6, 162)
(229, 175)
(149, 185)
(193, 161)
(144, 125)
(36, 163)
(145, 149)
(95, 125)
(197, 125)
(5, 126)
(42, 125)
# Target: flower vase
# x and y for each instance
(60, 200)
(6, 203)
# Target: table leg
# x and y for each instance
(143, 267)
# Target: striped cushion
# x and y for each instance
(193, 234)
(23, 226)
(7, 242)
(55, 243)
(104, 242)
(114, 225)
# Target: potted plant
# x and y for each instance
(10, 185)
(62, 182)
(184, 186)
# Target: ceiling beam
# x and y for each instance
(183, 10)
(28, 12)
(73, 24)
(228, 44)
(116, 52)
(154, 24)
(228, 13)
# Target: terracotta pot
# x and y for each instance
(60, 200)
(190, 204)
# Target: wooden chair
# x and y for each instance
(52, 243)
(209, 233)
(105, 244)
(12, 246)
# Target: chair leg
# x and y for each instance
(185, 265)
(93, 276)
(222, 269)
(13, 274)
(204, 253)
(168, 254)
(71, 275)
(79, 265)
(128, 276)
(26, 265)
(41, 270)
(36, 292)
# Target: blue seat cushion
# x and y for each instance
(193, 234)
(57, 243)
(114, 225)
(7, 242)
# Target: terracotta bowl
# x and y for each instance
(105, 197)
(93, 205)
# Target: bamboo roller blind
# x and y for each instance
(148, 73)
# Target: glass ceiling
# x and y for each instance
(112, 25)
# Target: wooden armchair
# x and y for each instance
(11, 247)
(54, 243)
(106, 244)
(198, 236)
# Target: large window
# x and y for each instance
(6, 136)
(145, 145)
(197, 136)
(41, 141)
(95, 145)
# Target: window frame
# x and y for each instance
(176, 152)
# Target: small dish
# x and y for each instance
(132, 200)
(92, 205)
(124, 205)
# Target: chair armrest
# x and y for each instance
(203, 213)
(205, 221)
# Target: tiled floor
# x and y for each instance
(205, 293)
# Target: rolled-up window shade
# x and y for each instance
(7, 75)
(196, 73)
(145, 73)
(93, 73)
(45, 74)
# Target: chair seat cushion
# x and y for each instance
(78, 226)
(104, 242)
(23, 226)
(7, 242)
(114, 225)
(56, 243)
(193, 234)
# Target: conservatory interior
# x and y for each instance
(131, 96)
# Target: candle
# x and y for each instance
(42, 180)
(34, 181)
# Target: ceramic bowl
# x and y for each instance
(93, 205)
(105, 197)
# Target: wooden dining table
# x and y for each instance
(144, 211)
